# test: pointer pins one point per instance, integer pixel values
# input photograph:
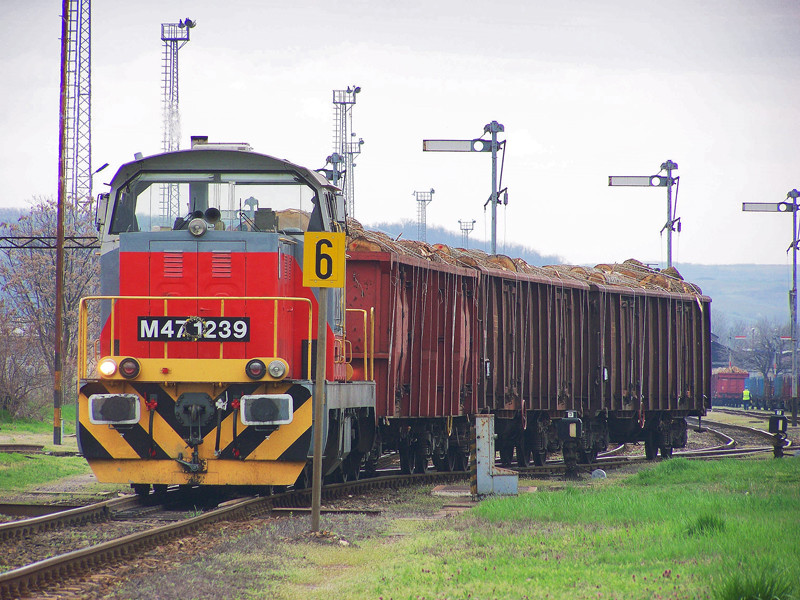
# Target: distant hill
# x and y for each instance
(744, 293)
(739, 293)
(10, 215)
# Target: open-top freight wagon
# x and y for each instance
(566, 358)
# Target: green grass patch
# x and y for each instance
(677, 530)
(44, 425)
(20, 471)
(756, 586)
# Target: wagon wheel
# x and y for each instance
(461, 459)
(420, 462)
(650, 447)
(523, 455)
(506, 454)
(141, 489)
(405, 463)
(666, 451)
(587, 457)
(539, 457)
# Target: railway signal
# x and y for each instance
(478, 145)
(788, 205)
(656, 180)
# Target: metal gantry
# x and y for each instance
(466, 229)
(657, 180)
(78, 109)
(423, 199)
(345, 146)
(175, 36)
(788, 205)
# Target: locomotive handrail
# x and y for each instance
(83, 317)
(365, 348)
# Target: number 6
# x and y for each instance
(323, 258)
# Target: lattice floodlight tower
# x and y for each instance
(175, 36)
(344, 145)
(423, 199)
(466, 229)
(78, 110)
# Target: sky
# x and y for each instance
(584, 89)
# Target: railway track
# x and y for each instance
(49, 572)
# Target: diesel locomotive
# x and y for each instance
(197, 360)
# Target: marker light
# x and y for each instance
(277, 369)
(197, 227)
(107, 367)
(255, 369)
(129, 368)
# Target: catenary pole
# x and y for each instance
(59, 300)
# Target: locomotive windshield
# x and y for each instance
(162, 201)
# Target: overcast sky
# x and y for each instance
(585, 90)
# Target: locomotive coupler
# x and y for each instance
(195, 466)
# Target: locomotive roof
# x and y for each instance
(631, 274)
(204, 159)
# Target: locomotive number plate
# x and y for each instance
(194, 329)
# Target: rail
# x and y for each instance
(83, 320)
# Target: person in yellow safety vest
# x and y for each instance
(746, 399)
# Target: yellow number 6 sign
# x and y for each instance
(323, 259)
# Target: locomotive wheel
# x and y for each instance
(141, 489)
(666, 451)
(304, 479)
(539, 457)
(352, 464)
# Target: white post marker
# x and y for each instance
(323, 267)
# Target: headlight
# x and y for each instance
(277, 369)
(197, 227)
(107, 367)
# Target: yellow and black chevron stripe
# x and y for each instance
(230, 454)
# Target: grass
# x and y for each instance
(20, 471)
(680, 529)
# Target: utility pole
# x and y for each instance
(657, 180)
(788, 205)
(62, 172)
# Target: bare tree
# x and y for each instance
(28, 280)
(763, 350)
